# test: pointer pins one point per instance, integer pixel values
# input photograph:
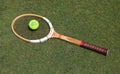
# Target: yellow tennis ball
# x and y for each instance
(33, 24)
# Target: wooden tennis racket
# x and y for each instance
(46, 31)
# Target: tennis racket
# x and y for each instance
(46, 31)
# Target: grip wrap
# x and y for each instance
(94, 48)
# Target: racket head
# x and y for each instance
(20, 28)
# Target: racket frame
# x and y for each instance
(36, 40)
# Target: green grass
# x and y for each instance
(94, 21)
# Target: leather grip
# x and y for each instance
(94, 48)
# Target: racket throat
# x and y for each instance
(66, 38)
(56, 35)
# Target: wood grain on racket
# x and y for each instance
(82, 44)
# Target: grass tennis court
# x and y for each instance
(94, 21)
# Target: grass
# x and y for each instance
(92, 21)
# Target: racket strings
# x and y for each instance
(21, 28)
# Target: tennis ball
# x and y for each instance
(33, 24)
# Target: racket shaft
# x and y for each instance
(85, 44)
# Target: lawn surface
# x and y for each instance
(94, 21)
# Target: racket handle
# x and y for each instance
(94, 48)
(83, 44)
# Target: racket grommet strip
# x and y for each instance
(34, 41)
(43, 39)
